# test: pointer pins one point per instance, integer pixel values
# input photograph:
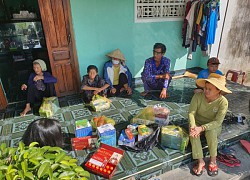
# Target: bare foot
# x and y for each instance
(198, 168)
(144, 93)
(122, 89)
(129, 91)
(25, 111)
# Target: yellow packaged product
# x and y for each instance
(143, 130)
(100, 103)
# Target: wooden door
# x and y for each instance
(56, 20)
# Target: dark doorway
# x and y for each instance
(49, 37)
(21, 42)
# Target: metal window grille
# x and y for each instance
(159, 10)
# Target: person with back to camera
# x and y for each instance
(93, 84)
(206, 114)
(47, 132)
(156, 72)
(117, 74)
(40, 85)
(212, 67)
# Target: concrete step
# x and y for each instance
(225, 172)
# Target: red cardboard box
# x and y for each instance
(104, 161)
(88, 142)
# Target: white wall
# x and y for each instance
(234, 48)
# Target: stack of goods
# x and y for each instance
(100, 103)
(107, 134)
(104, 161)
(88, 142)
(174, 137)
(147, 137)
(49, 107)
(84, 138)
(152, 114)
(83, 128)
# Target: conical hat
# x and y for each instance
(116, 54)
(215, 79)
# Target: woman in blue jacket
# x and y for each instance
(40, 85)
(117, 74)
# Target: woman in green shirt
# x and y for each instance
(206, 113)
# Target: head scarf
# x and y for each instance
(41, 63)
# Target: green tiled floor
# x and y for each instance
(141, 165)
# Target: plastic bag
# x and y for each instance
(49, 107)
(147, 143)
(152, 114)
(100, 103)
(174, 137)
(101, 120)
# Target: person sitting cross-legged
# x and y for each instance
(156, 72)
(93, 84)
(117, 74)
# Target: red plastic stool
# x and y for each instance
(236, 74)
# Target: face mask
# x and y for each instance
(115, 61)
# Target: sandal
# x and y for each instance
(229, 160)
(225, 161)
(213, 169)
(196, 166)
(246, 145)
(229, 151)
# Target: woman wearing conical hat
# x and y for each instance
(206, 114)
(117, 74)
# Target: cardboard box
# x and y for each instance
(107, 134)
(88, 142)
(83, 128)
(104, 161)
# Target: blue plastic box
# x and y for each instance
(107, 134)
(83, 128)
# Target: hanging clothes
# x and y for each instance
(212, 24)
(185, 24)
(200, 23)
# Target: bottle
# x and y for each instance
(240, 119)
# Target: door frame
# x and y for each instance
(73, 42)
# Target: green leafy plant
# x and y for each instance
(31, 162)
